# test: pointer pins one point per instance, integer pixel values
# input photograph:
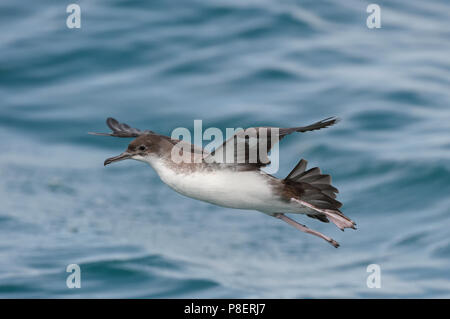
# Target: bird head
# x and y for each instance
(139, 149)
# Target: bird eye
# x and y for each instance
(142, 148)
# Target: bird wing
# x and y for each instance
(124, 130)
(121, 129)
(251, 146)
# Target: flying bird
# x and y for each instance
(240, 183)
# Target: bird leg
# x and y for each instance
(305, 229)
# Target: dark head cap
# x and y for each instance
(138, 149)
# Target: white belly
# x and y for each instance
(241, 190)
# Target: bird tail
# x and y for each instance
(315, 191)
(313, 177)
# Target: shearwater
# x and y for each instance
(241, 183)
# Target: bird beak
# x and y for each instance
(118, 158)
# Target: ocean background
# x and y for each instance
(161, 64)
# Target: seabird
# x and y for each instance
(241, 183)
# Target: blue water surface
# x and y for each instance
(161, 64)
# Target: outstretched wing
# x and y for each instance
(121, 129)
(315, 126)
(124, 130)
(251, 146)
